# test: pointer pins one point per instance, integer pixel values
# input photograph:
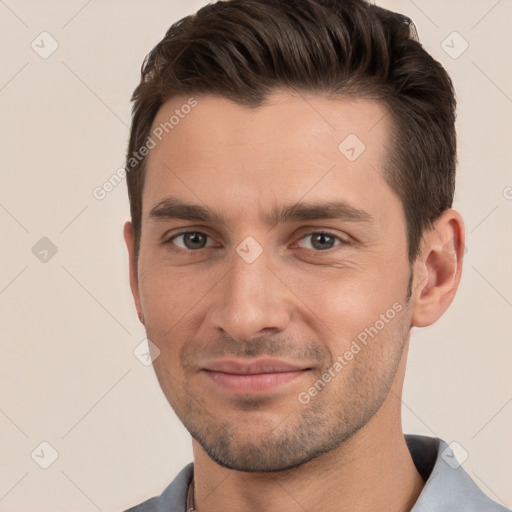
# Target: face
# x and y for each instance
(273, 274)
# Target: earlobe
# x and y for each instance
(438, 269)
(129, 238)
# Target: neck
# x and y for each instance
(371, 471)
(367, 473)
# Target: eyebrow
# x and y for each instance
(174, 208)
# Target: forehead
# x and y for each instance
(290, 148)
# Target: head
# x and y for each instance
(291, 170)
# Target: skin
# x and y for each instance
(344, 449)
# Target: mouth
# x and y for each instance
(253, 377)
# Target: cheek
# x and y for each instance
(173, 301)
(169, 294)
(336, 303)
(340, 303)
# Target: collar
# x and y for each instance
(448, 487)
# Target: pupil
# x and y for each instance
(322, 238)
(194, 240)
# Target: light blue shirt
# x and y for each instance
(448, 487)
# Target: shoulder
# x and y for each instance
(447, 485)
(173, 498)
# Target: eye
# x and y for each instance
(320, 241)
(190, 240)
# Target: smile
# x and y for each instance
(253, 377)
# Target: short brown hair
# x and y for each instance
(246, 49)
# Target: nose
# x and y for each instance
(251, 300)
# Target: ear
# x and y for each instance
(129, 238)
(438, 269)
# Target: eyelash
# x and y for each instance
(169, 242)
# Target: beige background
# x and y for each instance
(68, 375)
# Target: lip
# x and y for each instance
(258, 366)
(258, 376)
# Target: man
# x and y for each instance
(291, 171)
